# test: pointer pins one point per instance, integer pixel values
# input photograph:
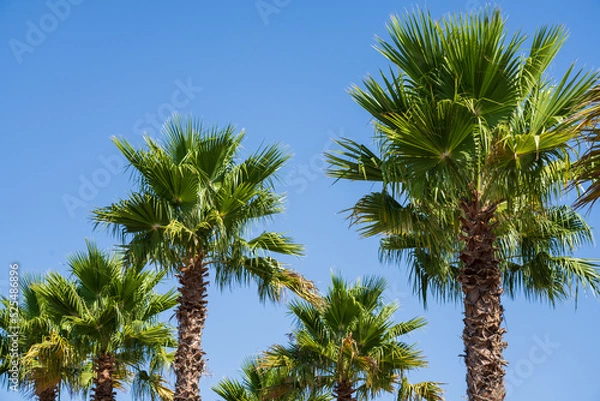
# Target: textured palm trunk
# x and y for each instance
(481, 285)
(47, 394)
(343, 391)
(191, 315)
(104, 367)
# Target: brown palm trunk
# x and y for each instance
(46, 394)
(343, 391)
(191, 315)
(481, 285)
(104, 367)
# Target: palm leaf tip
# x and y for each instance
(303, 288)
(423, 391)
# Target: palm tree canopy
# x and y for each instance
(259, 384)
(198, 197)
(465, 113)
(48, 360)
(110, 309)
(352, 338)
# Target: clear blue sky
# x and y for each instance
(104, 68)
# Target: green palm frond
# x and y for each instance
(406, 327)
(424, 391)
(152, 387)
(149, 382)
(275, 242)
(269, 275)
(62, 296)
(588, 171)
(260, 384)
(354, 162)
(231, 390)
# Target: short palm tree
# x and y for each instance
(350, 348)
(45, 359)
(473, 151)
(196, 203)
(112, 313)
(260, 384)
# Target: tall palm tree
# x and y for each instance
(46, 359)
(473, 152)
(349, 348)
(260, 384)
(194, 208)
(112, 313)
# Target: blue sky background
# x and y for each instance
(115, 68)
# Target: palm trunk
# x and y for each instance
(47, 394)
(191, 315)
(481, 285)
(343, 391)
(104, 367)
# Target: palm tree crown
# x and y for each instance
(259, 384)
(112, 313)
(473, 151)
(48, 361)
(350, 347)
(195, 207)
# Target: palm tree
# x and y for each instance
(112, 313)
(473, 151)
(349, 348)
(45, 359)
(260, 384)
(194, 209)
